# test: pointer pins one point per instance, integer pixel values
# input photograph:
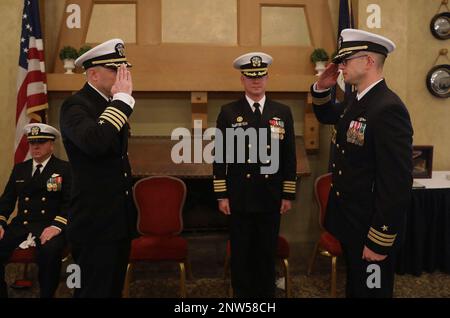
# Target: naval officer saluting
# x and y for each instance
(94, 127)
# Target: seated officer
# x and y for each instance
(41, 186)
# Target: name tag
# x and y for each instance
(244, 123)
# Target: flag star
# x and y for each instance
(25, 16)
(28, 3)
(22, 40)
(25, 50)
(28, 26)
(385, 228)
(31, 29)
(101, 122)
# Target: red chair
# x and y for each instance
(282, 254)
(26, 257)
(160, 202)
(328, 245)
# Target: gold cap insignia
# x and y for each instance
(256, 61)
(35, 130)
(120, 49)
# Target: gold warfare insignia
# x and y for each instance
(35, 130)
(239, 119)
(256, 61)
(120, 49)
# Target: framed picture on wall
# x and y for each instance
(422, 161)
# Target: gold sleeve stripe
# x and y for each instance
(220, 190)
(320, 101)
(219, 186)
(118, 112)
(289, 182)
(117, 120)
(382, 234)
(289, 191)
(61, 220)
(2, 218)
(112, 117)
(290, 185)
(111, 121)
(378, 242)
(219, 181)
(110, 112)
(371, 234)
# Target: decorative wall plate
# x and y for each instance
(438, 80)
(440, 26)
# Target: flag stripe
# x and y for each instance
(31, 78)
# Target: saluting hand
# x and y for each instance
(329, 77)
(123, 83)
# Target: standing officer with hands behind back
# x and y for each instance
(372, 164)
(94, 127)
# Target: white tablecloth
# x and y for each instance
(439, 180)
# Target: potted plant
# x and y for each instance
(68, 54)
(84, 49)
(320, 58)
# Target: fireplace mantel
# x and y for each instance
(151, 156)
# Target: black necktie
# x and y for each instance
(257, 112)
(37, 172)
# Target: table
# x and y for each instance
(427, 236)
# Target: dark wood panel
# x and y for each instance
(151, 155)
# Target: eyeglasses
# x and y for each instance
(344, 62)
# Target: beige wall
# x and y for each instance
(406, 22)
(10, 17)
(406, 69)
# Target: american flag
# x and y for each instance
(31, 78)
